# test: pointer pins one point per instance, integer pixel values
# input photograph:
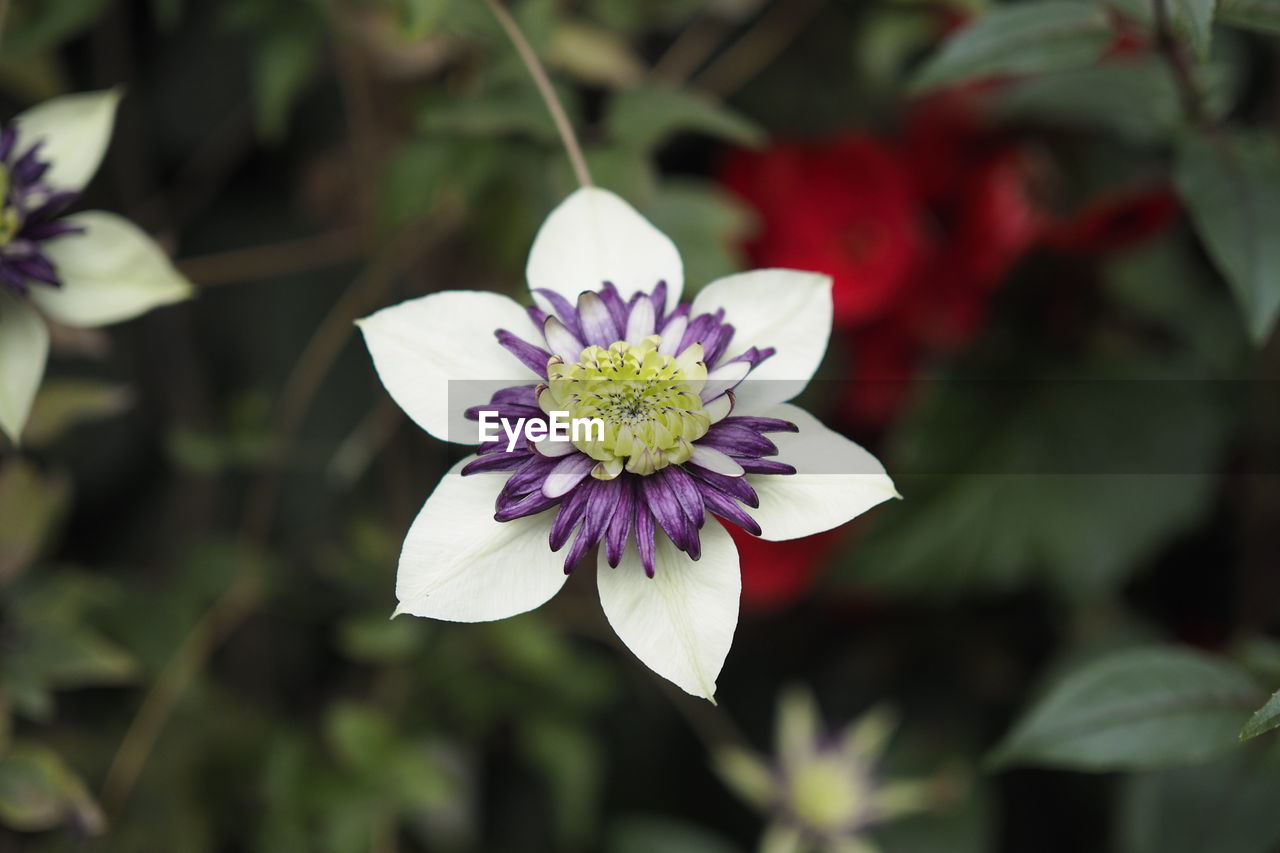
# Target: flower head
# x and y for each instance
(691, 422)
(824, 790)
(86, 269)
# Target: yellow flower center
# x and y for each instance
(648, 402)
(10, 220)
(825, 796)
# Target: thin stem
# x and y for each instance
(689, 51)
(545, 89)
(757, 47)
(1180, 64)
(276, 259)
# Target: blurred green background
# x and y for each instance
(198, 539)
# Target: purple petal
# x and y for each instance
(644, 536)
(618, 309)
(563, 309)
(620, 524)
(765, 466)
(533, 357)
(760, 424)
(722, 505)
(735, 487)
(598, 327)
(509, 509)
(568, 471)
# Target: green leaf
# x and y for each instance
(1068, 478)
(594, 56)
(1141, 709)
(494, 113)
(284, 64)
(29, 506)
(1264, 719)
(64, 404)
(1228, 806)
(1023, 38)
(1231, 186)
(1190, 20)
(39, 792)
(706, 223)
(1193, 19)
(641, 834)
(1260, 15)
(645, 118)
(418, 18)
(41, 26)
(1136, 100)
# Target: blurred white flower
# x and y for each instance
(82, 270)
(822, 790)
(684, 435)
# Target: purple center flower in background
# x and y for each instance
(29, 215)
(83, 270)
(695, 430)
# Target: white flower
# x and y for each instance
(685, 436)
(87, 269)
(824, 789)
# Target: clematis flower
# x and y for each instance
(689, 441)
(87, 269)
(823, 789)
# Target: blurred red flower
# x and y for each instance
(844, 207)
(917, 233)
(775, 574)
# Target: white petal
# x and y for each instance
(567, 473)
(680, 622)
(719, 408)
(714, 460)
(437, 356)
(835, 480)
(640, 322)
(672, 333)
(24, 348)
(784, 309)
(460, 565)
(553, 447)
(561, 341)
(75, 129)
(724, 378)
(110, 273)
(593, 237)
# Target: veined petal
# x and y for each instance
(680, 622)
(594, 236)
(785, 309)
(835, 480)
(75, 130)
(24, 348)
(460, 565)
(437, 356)
(110, 273)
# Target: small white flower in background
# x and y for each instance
(684, 440)
(822, 789)
(83, 270)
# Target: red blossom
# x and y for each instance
(775, 574)
(1115, 221)
(844, 208)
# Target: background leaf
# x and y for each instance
(1264, 719)
(1231, 185)
(1023, 38)
(1139, 709)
